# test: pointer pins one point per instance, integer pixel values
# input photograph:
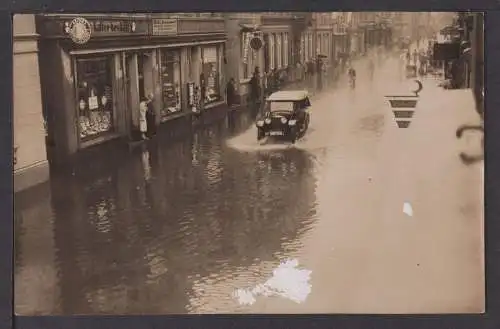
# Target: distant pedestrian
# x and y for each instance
(371, 68)
(352, 77)
(231, 92)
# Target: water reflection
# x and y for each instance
(159, 232)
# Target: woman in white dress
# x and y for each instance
(143, 124)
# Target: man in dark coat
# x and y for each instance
(230, 92)
(151, 116)
(254, 91)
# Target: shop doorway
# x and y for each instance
(140, 82)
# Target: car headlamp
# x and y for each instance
(292, 122)
(267, 121)
(283, 120)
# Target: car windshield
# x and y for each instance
(281, 106)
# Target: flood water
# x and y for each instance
(176, 226)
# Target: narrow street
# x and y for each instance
(180, 226)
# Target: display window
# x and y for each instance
(95, 96)
(171, 83)
(210, 79)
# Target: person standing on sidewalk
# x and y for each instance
(143, 123)
(230, 92)
(150, 116)
(254, 91)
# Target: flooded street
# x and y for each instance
(179, 226)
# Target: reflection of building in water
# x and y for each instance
(254, 209)
(36, 275)
(146, 165)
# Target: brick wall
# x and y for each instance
(29, 133)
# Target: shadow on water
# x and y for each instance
(136, 236)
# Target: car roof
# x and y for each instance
(288, 95)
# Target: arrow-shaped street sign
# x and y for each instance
(403, 109)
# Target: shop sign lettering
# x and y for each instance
(80, 29)
(114, 26)
(164, 26)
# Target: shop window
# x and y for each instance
(95, 96)
(171, 83)
(211, 74)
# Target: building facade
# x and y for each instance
(280, 35)
(29, 152)
(325, 42)
(242, 59)
(97, 68)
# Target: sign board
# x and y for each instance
(81, 29)
(256, 43)
(164, 27)
(405, 106)
(246, 37)
(446, 51)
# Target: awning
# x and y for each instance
(146, 47)
(466, 54)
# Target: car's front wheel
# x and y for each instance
(260, 134)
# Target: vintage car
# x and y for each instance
(285, 114)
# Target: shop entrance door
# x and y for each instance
(133, 96)
(140, 83)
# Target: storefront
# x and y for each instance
(277, 36)
(96, 70)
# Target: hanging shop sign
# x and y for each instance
(256, 43)
(246, 38)
(79, 30)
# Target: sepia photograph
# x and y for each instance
(248, 163)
